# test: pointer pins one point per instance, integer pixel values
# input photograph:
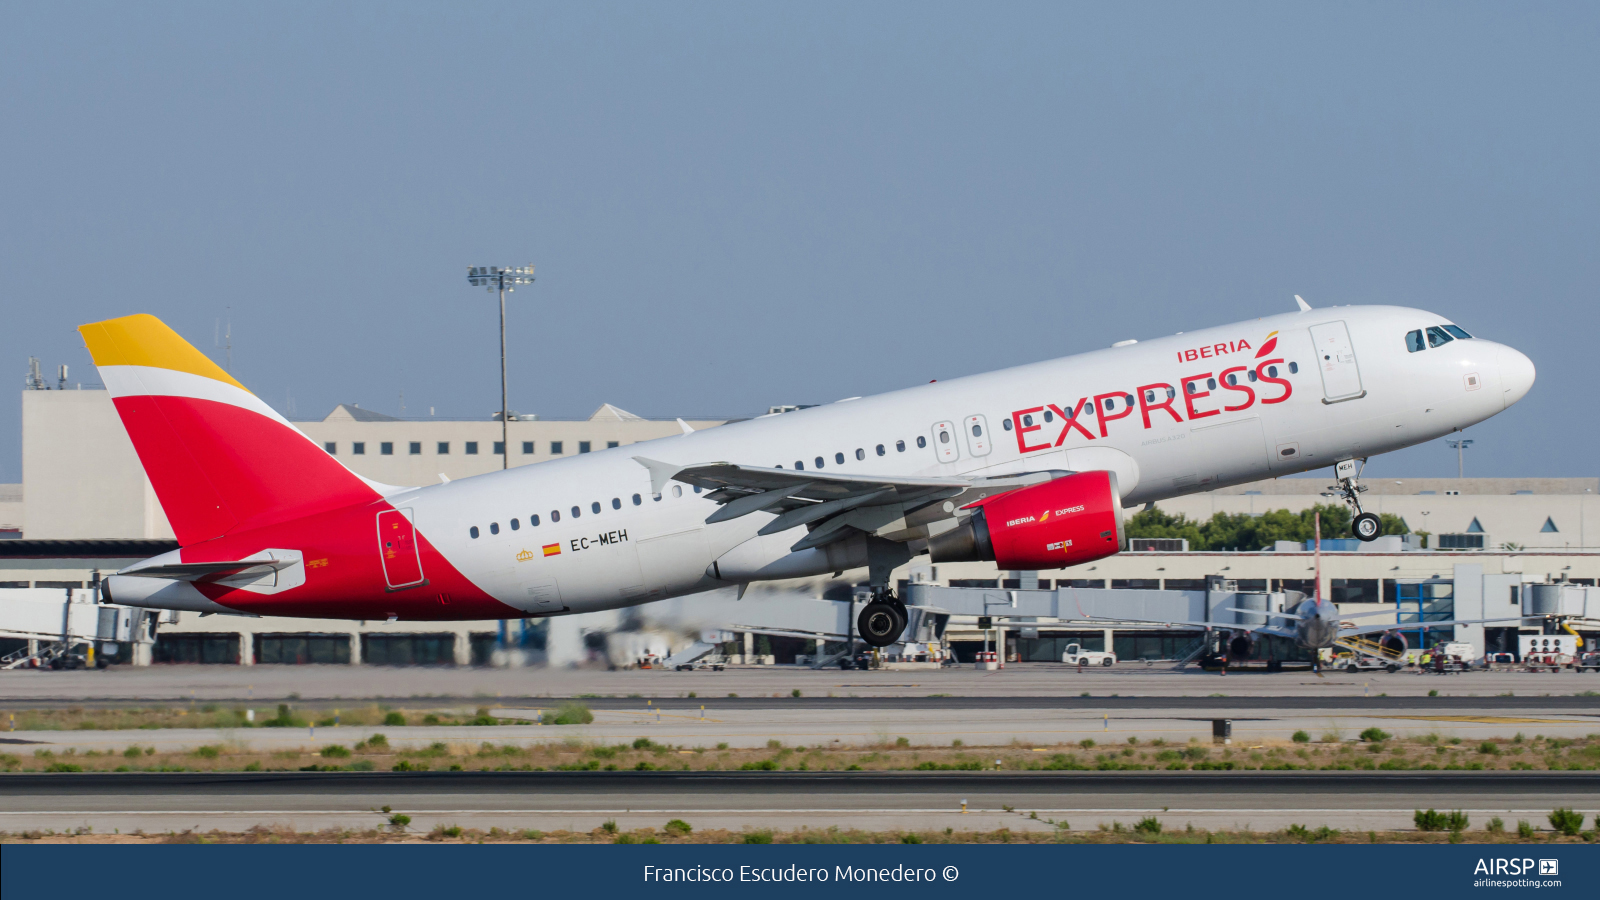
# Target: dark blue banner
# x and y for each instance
(269, 872)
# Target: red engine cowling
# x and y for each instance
(1071, 520)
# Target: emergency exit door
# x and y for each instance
(1336, 360)
(397, 547)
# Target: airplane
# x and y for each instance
(1316, 623)
(1030, 466)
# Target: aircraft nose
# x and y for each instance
(1516, 375)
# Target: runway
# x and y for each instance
(1049, 681)
(581, 801)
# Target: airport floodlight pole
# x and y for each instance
(502, 279)
(1461, 462)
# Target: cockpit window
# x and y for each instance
(1414, 341)
(1458, 332)
(1438, 337)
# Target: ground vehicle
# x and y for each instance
(1075, 655)
(1357, 662)
(1589, 661)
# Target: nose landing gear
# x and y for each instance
(1364, 525)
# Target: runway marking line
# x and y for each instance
(1483, 720)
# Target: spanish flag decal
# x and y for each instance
(552, 549)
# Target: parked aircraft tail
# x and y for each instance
(220, 460)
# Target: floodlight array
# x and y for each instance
(495, 278)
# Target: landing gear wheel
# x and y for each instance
(1367, 526)
(880, 623)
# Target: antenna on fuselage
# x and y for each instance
(1304, 306)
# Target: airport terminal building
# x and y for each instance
(85, 509)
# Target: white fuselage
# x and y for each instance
(1372, 396)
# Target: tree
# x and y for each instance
(1242, 531)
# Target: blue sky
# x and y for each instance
(737, 205)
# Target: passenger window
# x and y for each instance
(1438, 337)
(1170, 394)
(1456, 331)
(1110, 404)
(838, 459)
(1251, 374)
(1188, 387)
(515, 525)
(1027, 421)
(1006, 424)
(881, 451)
(616, 502)
(1049, 416)
(1414, 341)
(473, 531)
(860, 454)
(977, 430)
(818, 462)
(1233, 379)
(921, 442)
(1272, 371)
(677, 490)
(799, 464)
(900, 446)
(577, 511)
(1211, 383)
(944, 437)
(555, 515)
(637, 500)
(494, 527)
(595, 507)
(1294, 368)
(697, 489)
(533, 520)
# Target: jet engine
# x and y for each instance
(1065, 522)
(1394, 642)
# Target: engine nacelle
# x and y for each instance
(1066, 522)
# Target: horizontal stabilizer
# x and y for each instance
(211, 570)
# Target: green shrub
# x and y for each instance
(644, 743)
(1086, 743)
(1566, 821)
(1428, 820)
(569, 714)
(758, 837)
(795, 692)
(284, 719)
(394, 720)
(1148, 825)
(1456, 820)
(1496, 825)
(335, 751)
(1489, 748)
(765, 765)
(375, 743)
(133, 753)
(406, 765)
(431, 719)
(910, 839)
(209, 751)
(678, 827)
(1525, 828)
(609, 826)
(1375, 734)
(624, 839)
(63, 767)
(902, 742)
(1300, 737)
(399, 820)
(532, 834)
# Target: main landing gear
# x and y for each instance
(1366, 526)
(881, 621)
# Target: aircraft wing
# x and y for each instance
(1224, 626)
(831, 504)
(1423, 626)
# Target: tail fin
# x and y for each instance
(219, 459)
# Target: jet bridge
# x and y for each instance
(1103, 607)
